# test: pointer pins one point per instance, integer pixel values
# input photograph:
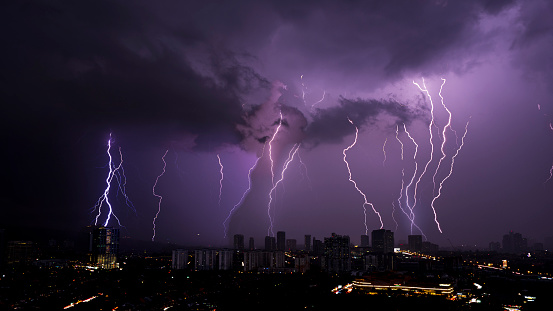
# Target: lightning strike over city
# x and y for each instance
(118, 173)
(431, 137)
(157, 195)
(252, 101)
(290, 158)
(220, 180)
(448, 175)
(225, 223)
(355, 184)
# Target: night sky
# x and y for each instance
(201, 81)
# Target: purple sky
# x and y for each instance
(202, 80)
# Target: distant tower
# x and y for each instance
(281, 241)
(415, 242)
(365, 240)
(383, 241)
(307, 244)
(514, 243)
(291, 245)
(104, 247)
(318, 247)
(239, 242)
(251, 244)
(179, 259)
(270, 243)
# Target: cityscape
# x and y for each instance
(113, 273)
(216, 155)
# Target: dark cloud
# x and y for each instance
(331, 125)
(97, 63)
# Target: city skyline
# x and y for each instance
(204, 121)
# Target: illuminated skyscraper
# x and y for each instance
(104, 247)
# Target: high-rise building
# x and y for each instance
(364, 240)
(337, 253)
(415, 242)
(318, 247)
(307, 243)
(251, 244)
(290, 245)
(239, 242)
(204, 259)
(270, 243)
(225, 259)
(104, 247)
(281, 240)
(179, 259)
(19, 252)
(494, 247)
(430, 248)
(383, 241)
(514, 243)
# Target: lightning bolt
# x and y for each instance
(412, 215)
(303, 89)
(220, 180)
(400, 143)
(319, 101)
(450, 172)
(448, 125)
(425, 90)
(290, 158)
(384, 151)
(550, 175)
(244, 194)
(305, 174)
(157, 195)
(366, 202)
(271, 149)
(113, 172)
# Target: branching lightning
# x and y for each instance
(271, 149)
(430, 140)
(290, 158)
(157, 195)
(119, 174)
(366, 202)
(450, 172)
(411, 215)
(244, 194)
